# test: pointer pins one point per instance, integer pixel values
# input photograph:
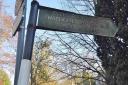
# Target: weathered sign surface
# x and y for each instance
(18, 6)
(18, 20)
(59, 20)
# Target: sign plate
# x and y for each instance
(59, 20)
(18, 6)
(17, 20)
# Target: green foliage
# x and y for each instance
(40, 69)
(4, 77)
(88, 79)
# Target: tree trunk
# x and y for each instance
(113, 51)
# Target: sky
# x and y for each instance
(48, 3)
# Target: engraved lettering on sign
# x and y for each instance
(59, 20)
(71, 22)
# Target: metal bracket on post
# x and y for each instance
(26, 61)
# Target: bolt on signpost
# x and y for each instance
(59, 20)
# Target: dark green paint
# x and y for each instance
(59, 20)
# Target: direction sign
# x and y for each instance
(18, 20)
(59, 20)
(18, 6)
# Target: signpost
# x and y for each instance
(19, 53)
(59, 20)
(18, 21)
(18, 6)
(25, 67)
(19, 25)
(56, 20)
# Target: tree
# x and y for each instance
(113, 51)
(4, 78)
(76, 42)
(6, 23)
(75, 53)
(76, 59)
(7, 44)
(41, 72)
(67, 62)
